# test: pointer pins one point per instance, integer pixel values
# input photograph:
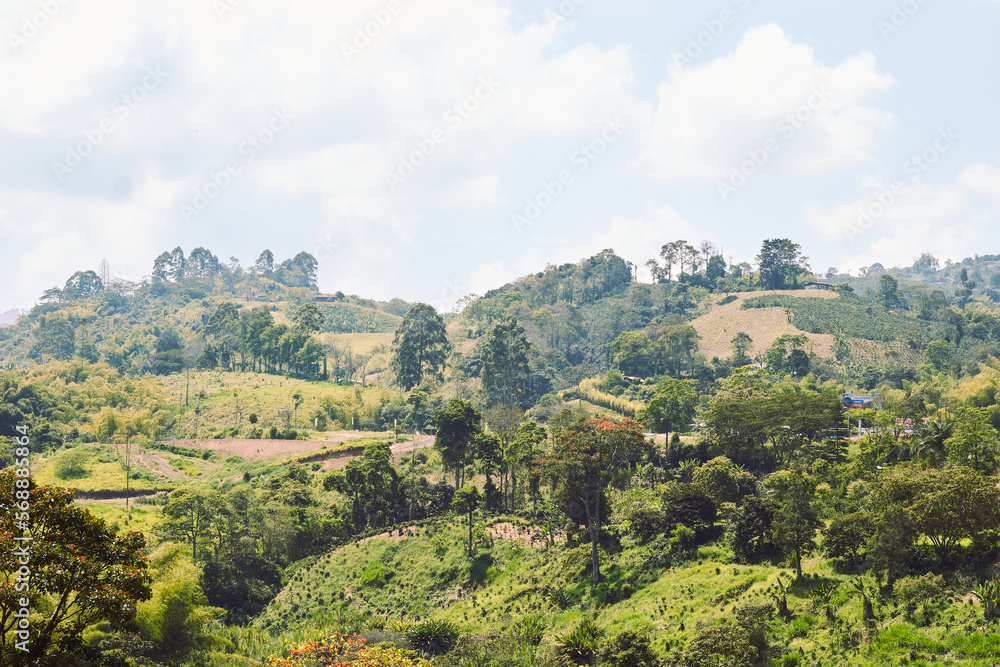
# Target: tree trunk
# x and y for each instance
(470, 533)
(869, 611)
(594, 537)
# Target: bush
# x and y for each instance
(581, 645)
(722, 644)
(69, 464)
(432, 637)
(531, 629)
(916, 591)
(375, 575)
(628, 649)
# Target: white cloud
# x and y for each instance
(893, 228)
(354, 118)
(708, 117)
(981, 178)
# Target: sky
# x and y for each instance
(430, 149)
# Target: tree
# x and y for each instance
(189, 515)
(736, 422)
(505, 370)
(309, 318)
(973, 441)
(796, 521)
(588, 456)
(203, 263)
(723, 482)
(79, 566)
(671, 409)
(844, 540)
(82, 285)
(457, 424)
(466, 501)
(420, 347)
(632, 352)
(887, 295)
(265, 263)
(741, 344)
(715, 268)
(723, 644)
(750, 531)
(781, 263)
(678, 345)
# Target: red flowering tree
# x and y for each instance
(588, 457)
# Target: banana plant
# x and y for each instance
(988, 594)
(864, 590)
(824, 594)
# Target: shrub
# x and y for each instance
(432, 637)
(581, 644)
(375, 574)
(722, 644)
(915, 591)
(69, 464)
(531, 629)
(628, 649)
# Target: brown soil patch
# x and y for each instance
(265, 449)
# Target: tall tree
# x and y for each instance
(974, 442)
(505, 371)
(589, 456)
(671, 409)
(781, 263)
(309, 318)
(420, 347)
(796, 521)
(457, 424)
(678, 344)
(265, 263)
(466, 501)
(633, 353)
(741, 344)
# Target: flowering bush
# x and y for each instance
(340, 650)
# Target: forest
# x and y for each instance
(222, 465)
